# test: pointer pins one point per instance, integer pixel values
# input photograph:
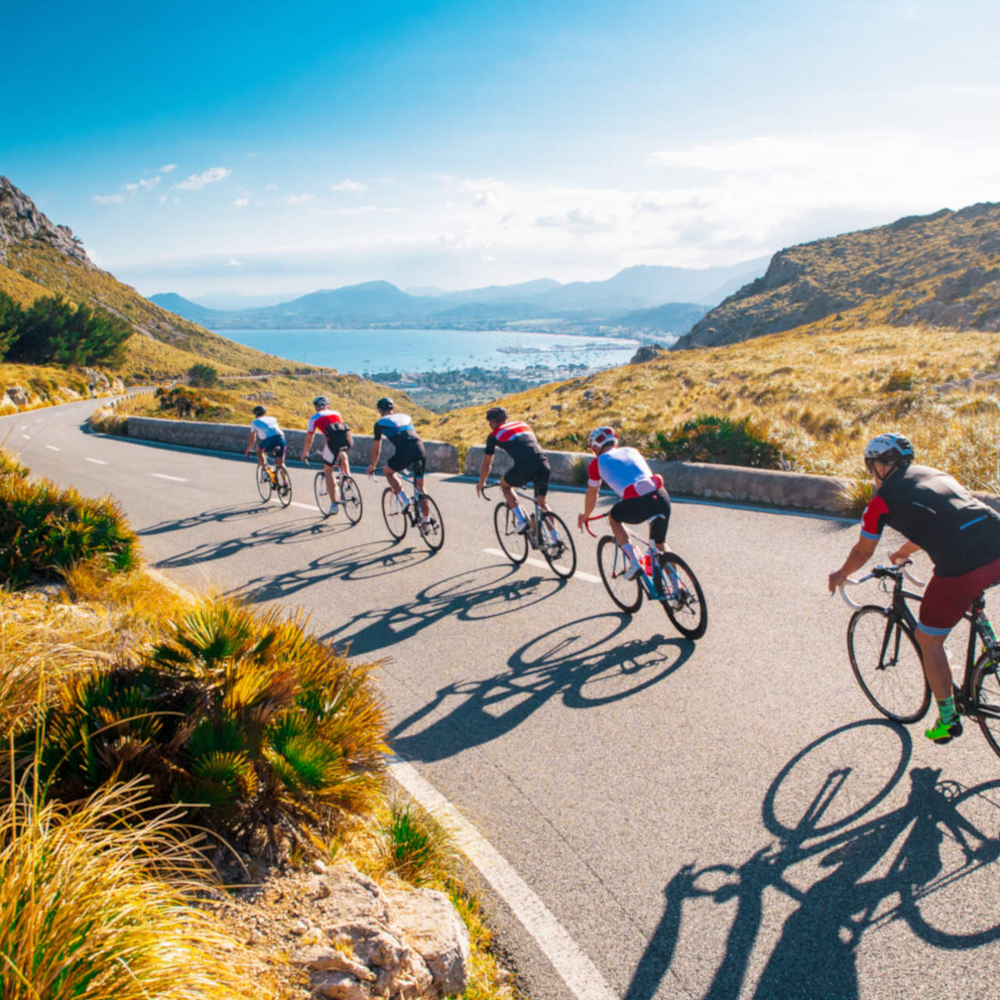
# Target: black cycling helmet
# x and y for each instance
(385, 404)
(259, 411)
(321, 402)
(890, 449)
(496, 413)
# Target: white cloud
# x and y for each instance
(198, 181)
(167, 167)
(163, 199)
(241, 202)
(233, 262)
(108, 199)
(150, 183)
(353, 186)
(298, 199)
(131, 188)
(270, 187)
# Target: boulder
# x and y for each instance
(99, 382)
(19, 396)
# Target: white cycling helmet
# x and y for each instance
(600, 436)
(890, 449)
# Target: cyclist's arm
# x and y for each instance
(253, 436)
(589, 503)
(904, 552)
(376, 451)
(309, 440)
(864, 549)
(484, 471)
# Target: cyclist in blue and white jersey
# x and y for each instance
(643, 497)
(270, 438)
(409, 449)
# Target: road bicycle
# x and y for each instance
(420, 510)
(273, 479)
(347, 489)
(546, 532)
(888, 665)
(663, 577)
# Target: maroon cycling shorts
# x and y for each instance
(947, 598)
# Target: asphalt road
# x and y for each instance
(720, 819)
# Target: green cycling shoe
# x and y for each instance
(941, 733)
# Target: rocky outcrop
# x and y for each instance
(20, 220)
(647, 352)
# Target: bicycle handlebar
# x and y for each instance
(879, 573)
(586, 523)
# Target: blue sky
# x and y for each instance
(202, 148)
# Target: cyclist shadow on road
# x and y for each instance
(485, 592)
(843, 875)
(587, 663)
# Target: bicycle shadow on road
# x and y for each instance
(845, 871)
(586, 663)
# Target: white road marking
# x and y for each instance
(577, 971)
(52, 447)
(578, 575)
(38, 421)
(175, 479)
(96, 461)
(308, 506)
(27, 437)
(24, 427)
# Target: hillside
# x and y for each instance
(941, 269)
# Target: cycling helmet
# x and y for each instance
(259, 411)
(890, 449)
(321, 402)
(496, 413)
(600, 436)
(385, 404)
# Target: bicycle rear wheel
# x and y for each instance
(985, 689)
(431, 524)
(685, 600)
(395, 514)
(284, 482)
(514, 545)
(264, 486)
(322, 497)
(560, 554)
(887, 663)
(611, 561)
(350, 497)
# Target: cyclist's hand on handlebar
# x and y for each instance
(581, 520)
(836, 580)
(480, 489)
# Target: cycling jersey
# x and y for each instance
(934, 511)
(323, 420)
(397, 428)
(518, 440)
(266, 427)
(625, 471)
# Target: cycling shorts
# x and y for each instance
(411, 456)
(947, 598)
(528, 472)
(273, 446)
(336, 442)
(635, 510)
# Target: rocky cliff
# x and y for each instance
(941, 269)
(20, 220)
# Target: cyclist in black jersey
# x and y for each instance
(408, 450)
(530, 463)
(961, 536)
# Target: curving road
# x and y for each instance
(714, 820)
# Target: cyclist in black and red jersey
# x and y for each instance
(643, 497)
(959, 533)
(530, 464)
(338, 441)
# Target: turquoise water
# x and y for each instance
(363, 351)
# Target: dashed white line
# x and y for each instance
(174, 479)
(24, 427)
(577, 971)
(52, 447)
(578, 575)
(96, 461)
(308, 506)
(27, 437)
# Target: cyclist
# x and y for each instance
(409, 450)
(530, 464)
(643, 497)
(961, 536)
(338, 441)
(269, 437)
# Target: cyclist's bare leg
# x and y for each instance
(936, 665)
(393, 480)
(261, 458)
(331, 483)
(419, 484)
(342, 458)
(508, 494)
(618, 530)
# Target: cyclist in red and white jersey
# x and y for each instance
(643, 497)
(338, 440)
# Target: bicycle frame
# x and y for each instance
(654, 580)
(534, 535)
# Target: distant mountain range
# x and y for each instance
(628, 300)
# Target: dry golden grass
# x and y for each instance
(21, 289)
(820, 391)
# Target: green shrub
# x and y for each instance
(203, 375)
(414, 846)
(45, 529)
(243, 713)
(722, 440)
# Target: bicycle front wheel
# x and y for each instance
(264, 486)
(350, 497)
(431, 524)
(887, 663)
(561, 553)
(284, 482)
(322, 497)
(685, 600)
(514, 545)
(611, 561)
(395, 514)
(985, 688)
